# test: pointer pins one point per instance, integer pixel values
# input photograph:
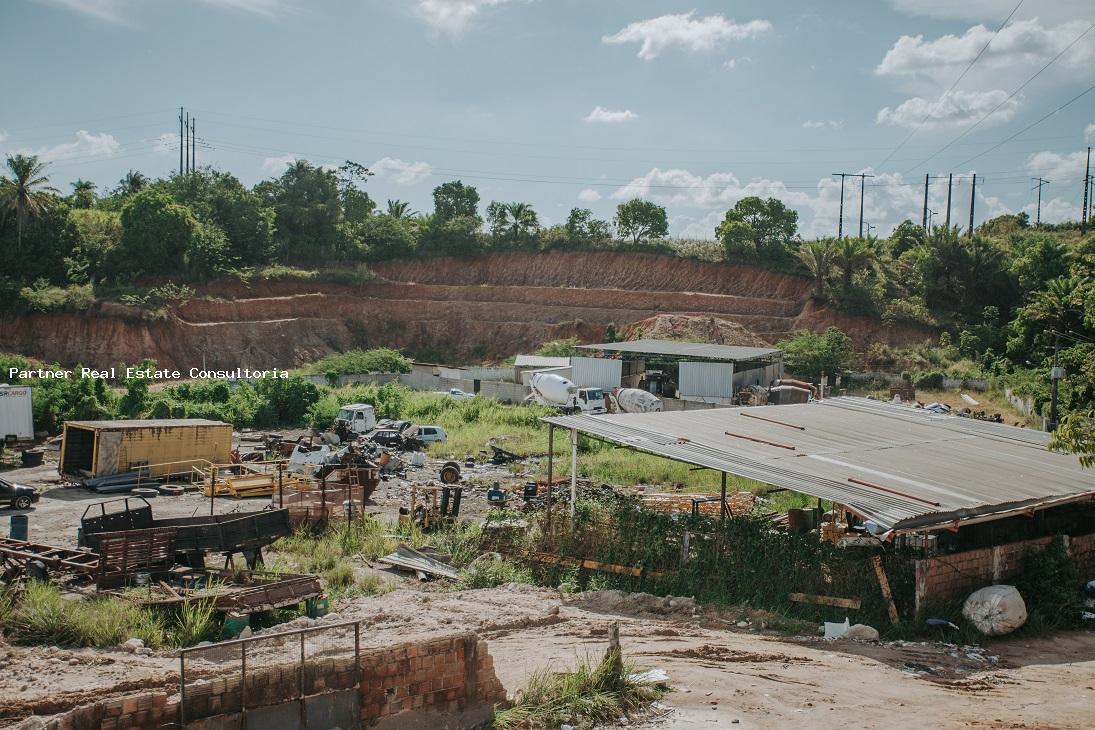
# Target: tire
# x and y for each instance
(146, 492)
(21, 502)
(450, 473)
(172, 490)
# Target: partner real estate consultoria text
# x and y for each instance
(113, 373)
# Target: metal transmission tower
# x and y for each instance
(1041, 182)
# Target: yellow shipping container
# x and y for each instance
(165, 446)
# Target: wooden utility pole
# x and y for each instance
(840, 219)
(950, 185)
(181, 140)
(924, 220)
(1087, 187)
(862, 188)
(973, 199)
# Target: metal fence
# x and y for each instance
(275, 680)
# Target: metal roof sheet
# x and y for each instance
(914, 470)
(686, 349)
(147, 423)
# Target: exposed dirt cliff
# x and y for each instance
(462, 310)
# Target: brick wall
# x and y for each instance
(949, 578)
(451, 674)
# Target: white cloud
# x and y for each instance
(589, 195)
(108, 11)
(4, 135)
(452, 17)
(278, 164)
(657, 34)
(1089, 133)
(995, 10)
(264, 8)
(1057, 167)
(607, 116)
(682, 188)
(167, 142)
(86, 144)
(956, 108)
(1023, 41)
(819, 123)
(401, 172)
(1056, 210)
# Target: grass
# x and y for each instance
(491, 572)
(587, 696)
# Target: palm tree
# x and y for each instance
(27, 194)
(523, 219)
(1060, 305)
(133, 182)
(83, 193)
(400, 209)
(851, 255)
(818, 257)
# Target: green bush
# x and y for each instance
(355, 362)
(45, 298)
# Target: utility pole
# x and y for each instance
(840, 220)
(931, 214)
(973, 199)
(924, 220)
(194, 144)
(180, 140)
(187, 142)
(1041, 182)
(950, 184)
(1054, 375)
(870, 228)
(1087, 186)
(862, 188)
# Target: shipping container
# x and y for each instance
(165, 446)
(706, 381)
(16, 413)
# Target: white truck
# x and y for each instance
(356, 418)
(16, 414)
(554, 390)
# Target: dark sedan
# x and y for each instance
(17, 496)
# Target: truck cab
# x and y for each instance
(357, 417)
(590, 400)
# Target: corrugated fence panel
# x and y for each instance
(595, 372)
(505, 392)
(706, 380)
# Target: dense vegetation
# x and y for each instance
(1003, 298)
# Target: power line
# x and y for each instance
(1032, 125)
(952, 87)
(1005, 101)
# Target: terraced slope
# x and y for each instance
(489, 307)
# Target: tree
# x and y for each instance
(219, 198)
(818, 257)
(1076, 435)
(850, 255)
(906, 236)
(83, 194)
(27, 194)
(454, 199)
(517, 221)
(356, 203)
(307, 211)
(156, 234)
(758, 229)
(582, 227)
(133, 183)
(808, 354)
(387, 236)
(399, 209)
(639, 220)
(457, 236)
(98, 233)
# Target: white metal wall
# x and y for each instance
(596, 372)
(706, 380)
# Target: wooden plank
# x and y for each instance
(552, 559)
(852, 603)
(884, 584)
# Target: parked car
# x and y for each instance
(427, 434)
(387, 437)
(457, 394)
(17, 496)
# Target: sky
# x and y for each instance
(565, 103)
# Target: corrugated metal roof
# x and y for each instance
(728, 353)
(540, 361)
(915, 470)
(147, 423)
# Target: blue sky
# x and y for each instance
(571, 102)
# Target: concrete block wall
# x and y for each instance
(450, 674)
(949, 578)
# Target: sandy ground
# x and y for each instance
(721, 674)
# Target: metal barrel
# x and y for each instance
(20, 527)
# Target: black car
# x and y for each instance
(18, 496)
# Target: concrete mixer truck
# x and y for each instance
(549, 389)
(633, 400)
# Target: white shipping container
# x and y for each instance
(16, 414)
